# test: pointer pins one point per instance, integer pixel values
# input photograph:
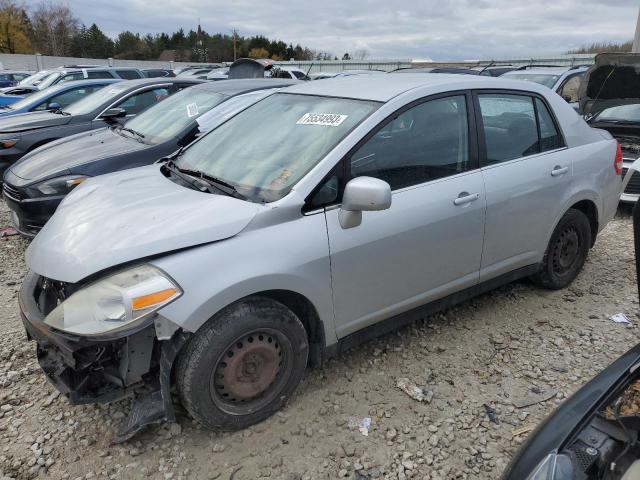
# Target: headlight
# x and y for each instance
(9, 142)
(120, 301)
(56, 186)
(553, 467)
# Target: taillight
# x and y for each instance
(617, 163)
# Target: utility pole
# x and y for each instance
(235, 34)
(636, 39)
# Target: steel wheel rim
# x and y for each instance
(566, 251)
(251, 371)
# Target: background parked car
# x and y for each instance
(55, 97)
(254, 244)
(158, 72)
(565, 81)
(343, 73)
(610, 100)
(458, 70)
(38, 182)
(22, 133)
(10, 78)
(61, 75)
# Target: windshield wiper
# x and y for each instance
(212, 181)
(139, 136)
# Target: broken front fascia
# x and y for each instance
(89, 370)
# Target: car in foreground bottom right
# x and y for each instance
(318, 217)
(594, 434)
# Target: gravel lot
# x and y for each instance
(493, 353)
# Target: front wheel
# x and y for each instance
(567, 251)
(243, 365)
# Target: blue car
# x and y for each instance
(10, 78)
(56, 97)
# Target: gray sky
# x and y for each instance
(446, 29)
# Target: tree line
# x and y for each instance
(51, 28)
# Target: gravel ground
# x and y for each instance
(491, 354)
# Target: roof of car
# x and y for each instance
(383, 88)
(548, 70)
(233, 87)
(80, 83)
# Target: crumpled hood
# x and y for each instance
(62, 155)
(130, 215)
(31, 121)
(613, 80)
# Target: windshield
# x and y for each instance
(32, 79)
(169, 117)
(33, 99)
(89, 103)
(620, 113)
(48, 80)
(542, 78)
(264, 150)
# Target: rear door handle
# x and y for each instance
(558, 170)
(465, 197)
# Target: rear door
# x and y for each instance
(527, 171)
(429, 243)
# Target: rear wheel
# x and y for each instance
(567, 251)
(243, 365)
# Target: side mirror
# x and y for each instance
(363, 194)
(113, 114)
(54, 106)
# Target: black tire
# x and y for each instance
(566, 253)
(257, 344)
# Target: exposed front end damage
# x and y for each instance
(88, 370)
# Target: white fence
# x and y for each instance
(41, 62)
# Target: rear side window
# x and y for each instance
(128, 74)
(570, 88)
(516, 126)
(550, 138)
(99, 74)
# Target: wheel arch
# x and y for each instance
(302, 307)
(589, 208)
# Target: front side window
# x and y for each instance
(426, 142)
(143, 100)
(267, 148)
(91, 102)
(65, 99)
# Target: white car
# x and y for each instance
(565, 81)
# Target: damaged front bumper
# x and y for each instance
(102, 371)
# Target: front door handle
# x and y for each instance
(558, 170)
(465, 197)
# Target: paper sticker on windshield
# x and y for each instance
(325, 119)
(192, 110)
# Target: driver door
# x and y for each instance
(429, 243)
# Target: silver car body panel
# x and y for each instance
(421, 249)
